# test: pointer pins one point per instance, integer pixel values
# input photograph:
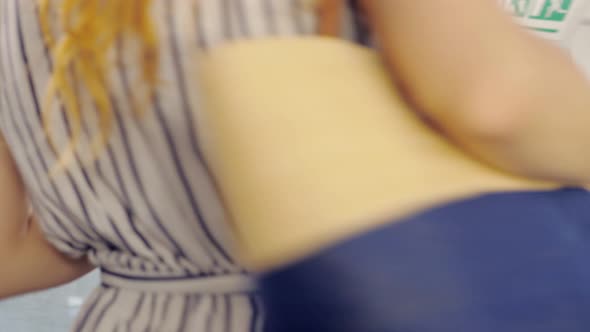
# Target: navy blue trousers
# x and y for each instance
(505, 262)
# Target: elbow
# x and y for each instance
(493, 121)
(525, 134)
(489, 104)
(496, 111)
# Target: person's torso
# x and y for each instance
(146, 211)
(147, 208)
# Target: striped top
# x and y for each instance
(145, 212)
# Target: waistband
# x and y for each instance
(222, 284)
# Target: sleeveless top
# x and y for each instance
(146, 212)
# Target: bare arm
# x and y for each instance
(27, 261)
(506, 96)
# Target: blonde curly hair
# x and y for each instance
(80, 44)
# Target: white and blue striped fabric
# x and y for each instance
(146, 211)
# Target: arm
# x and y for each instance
(506, 96)
(27, 261)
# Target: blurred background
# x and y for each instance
(49, 311)
(54, 310)
(581, 45)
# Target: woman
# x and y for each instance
(143, 208)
